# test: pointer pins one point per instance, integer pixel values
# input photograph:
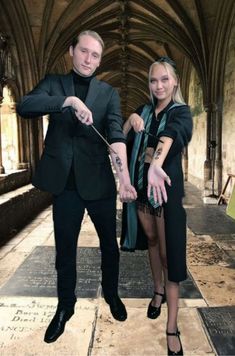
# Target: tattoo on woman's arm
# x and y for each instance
(119, 163)
(157, 153)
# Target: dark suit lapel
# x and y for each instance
(93, 91)
(67, 82)
(68, 85)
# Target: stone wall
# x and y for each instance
(18, 207)
(228, 125)
(14, 180)
(197, 146)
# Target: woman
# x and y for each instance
(161, 129)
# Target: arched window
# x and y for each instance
(9, 132)
(45, 123)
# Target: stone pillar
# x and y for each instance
(207, 163)
(185, 162)
(2, 169)
(213, 163)
(22, 129)
(218, 151)
(3, 50)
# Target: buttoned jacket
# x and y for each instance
(69, 141)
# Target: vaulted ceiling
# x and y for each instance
(135, 34)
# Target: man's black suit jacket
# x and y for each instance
(67, 139)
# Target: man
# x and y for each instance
(76, 169)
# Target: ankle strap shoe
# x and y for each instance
(170, 352)
(154, 312)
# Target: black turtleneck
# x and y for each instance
(81, 85)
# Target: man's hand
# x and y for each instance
(156, 182)
(127, 193)
(82, 112)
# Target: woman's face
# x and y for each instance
(162, 83)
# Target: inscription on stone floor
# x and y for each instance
(220, 324)
(136, 281)
(36, 276)
(23, 321)
(21, 318)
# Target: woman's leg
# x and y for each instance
(172, 292)
(149, 226)
(172, 288)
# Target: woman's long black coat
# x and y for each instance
(179, 128)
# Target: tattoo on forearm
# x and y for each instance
(119, 163)
(157, 153)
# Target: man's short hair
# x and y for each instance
(91, 33)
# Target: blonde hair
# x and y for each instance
(91, 33)
(170, 67)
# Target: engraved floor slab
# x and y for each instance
(136, 280)
(23, 322)
(220, 325)
(209, 220)
(36, 275)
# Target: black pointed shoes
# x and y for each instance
(117, 308)
(57, 324)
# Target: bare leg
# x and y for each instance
(149, 226)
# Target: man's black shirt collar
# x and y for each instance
(80, 79)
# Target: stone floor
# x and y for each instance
(207, 302)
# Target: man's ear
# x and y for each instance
(71, 51)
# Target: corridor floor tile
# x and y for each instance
(23, 322)
(220, 325)
(141, 336)
(209, 220)
(36, 275)
(216, 284)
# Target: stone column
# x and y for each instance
(207, 163)
(3, 50)
(2, 169)
(218, 151)
(185, 162)
(22, 130)
(213, 163)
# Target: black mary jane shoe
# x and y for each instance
(170, 352)
(154, 312)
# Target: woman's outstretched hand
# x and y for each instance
(156, 183)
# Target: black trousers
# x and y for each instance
(68, 212)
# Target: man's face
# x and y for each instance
(86, 55)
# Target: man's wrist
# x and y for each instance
(125, 180)
(69, 101)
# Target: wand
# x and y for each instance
(117, 159)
